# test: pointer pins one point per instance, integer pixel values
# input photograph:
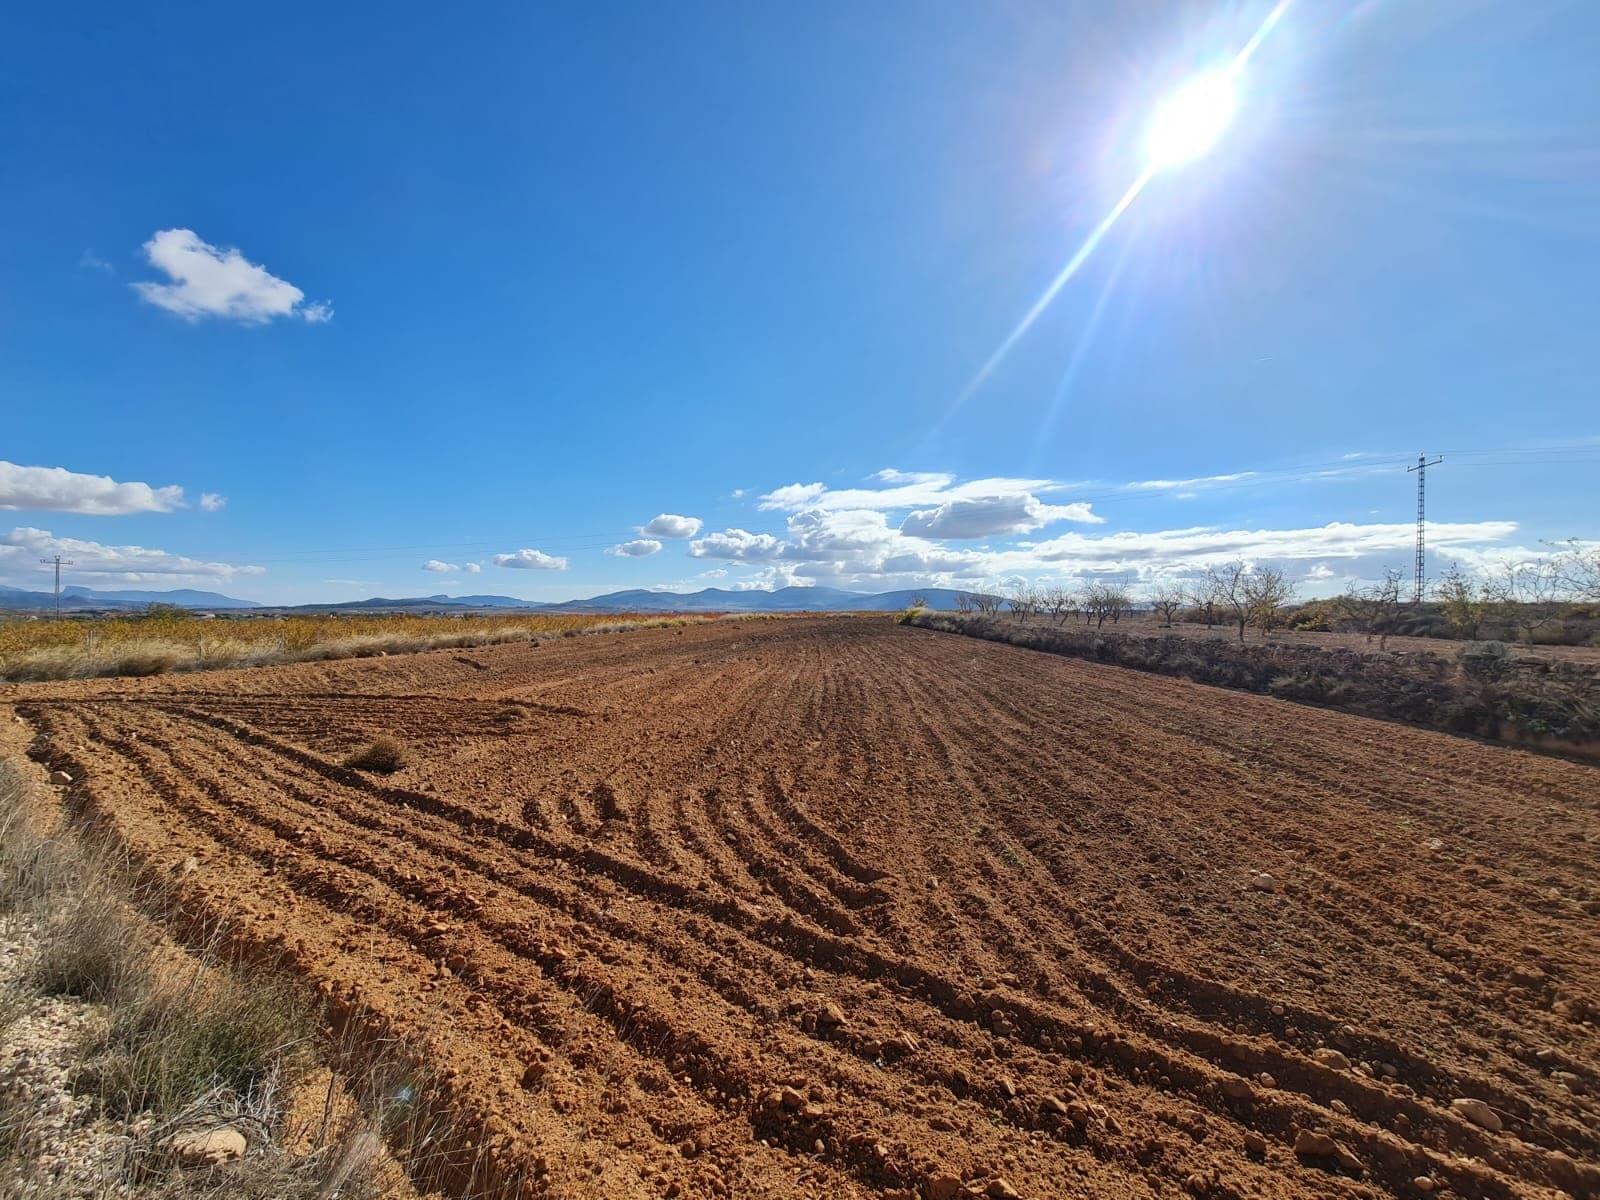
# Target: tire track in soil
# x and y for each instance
(843, 761)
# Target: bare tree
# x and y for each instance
(1106, 600)
(1118, 599)
(1534, 591)
(1058, 601)
(1094, 604)
(1201, 596)
(1165, 602)
(1024, 601)
(1375, 607)
(964, 602)
(1223, 587)
(1266, 591)
(1578, 571)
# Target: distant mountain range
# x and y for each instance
(78, 598)
(789, 599)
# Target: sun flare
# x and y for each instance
(1191, 120)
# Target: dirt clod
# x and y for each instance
(207, 1147)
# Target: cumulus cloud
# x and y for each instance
(736, 545)
(472, 568)
(443, 568)
(21, 549)
(56, 489)
(993, 516)
(212, 502)
(210, 281)
(530, 560)
(638, 548)
(670, 525)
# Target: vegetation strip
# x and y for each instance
(1481, 691)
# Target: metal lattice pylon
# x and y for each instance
(1422, 522)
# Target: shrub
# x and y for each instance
(383, 755)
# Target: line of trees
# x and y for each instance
(1523, 596)
(1242, 594)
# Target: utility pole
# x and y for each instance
(1422, 522)
(59, 563)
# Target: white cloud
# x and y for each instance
(906, 490)
(1321, 571)
(22, 547)
(890, 475)
(212, 502)
(208, 281)
(770, 579)
(93, 262)
(1172, 485)
(736, 545)
(530, 560)
(443, 568)
(355, 583)
(860, 547)
(56, 489)
(670, 525)
(472, 568)
(993, 516)
(638, 548)
(1202, 546)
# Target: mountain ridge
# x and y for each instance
(787, 599)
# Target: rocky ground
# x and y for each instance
(57, 1144)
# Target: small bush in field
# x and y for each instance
(383, 755)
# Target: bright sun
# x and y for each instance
(1190, 121)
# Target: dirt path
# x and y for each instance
(984, 912)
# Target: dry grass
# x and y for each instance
(39, 650)
(384, 755)
(182, 1042)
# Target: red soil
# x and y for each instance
(985, 912)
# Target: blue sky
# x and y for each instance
(420, 289)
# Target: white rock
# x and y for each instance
(1478, 1113)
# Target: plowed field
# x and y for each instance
(834, 907)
